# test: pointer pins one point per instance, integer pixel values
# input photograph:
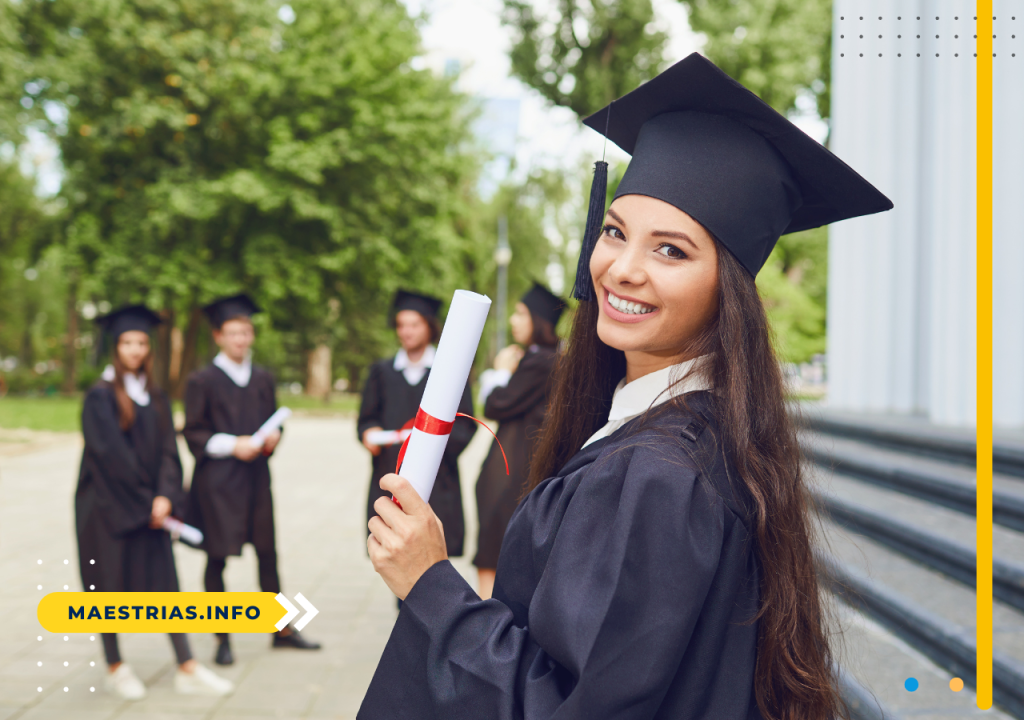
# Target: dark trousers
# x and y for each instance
(213, 579)
(178, 640)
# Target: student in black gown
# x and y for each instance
(661, 566)
(130, 481)
(231, 501)
(515, 393)
(391, 397)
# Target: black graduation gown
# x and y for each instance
(519, 407)
(389, 401)
(625, 590)
(229, 500)
(121, 473)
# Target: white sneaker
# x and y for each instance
(201, 681)
(124, 683)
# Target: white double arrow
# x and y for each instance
(311, 611)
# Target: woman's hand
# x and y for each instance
(508, 358)
(405, 540)
(161, 509)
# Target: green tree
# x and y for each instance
(290, 151)
(588, 53)
(776, 48)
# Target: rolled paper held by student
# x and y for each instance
(191, 535)
(274, 422)
(445, 385)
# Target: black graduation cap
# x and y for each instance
(129, 317)
(704, 143)
(425, 305)
(220, 311)
(543, 303)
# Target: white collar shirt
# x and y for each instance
(134, 385)
(414, 371)
(240, 373)
(649, 391)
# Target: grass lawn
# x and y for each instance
(56, 413)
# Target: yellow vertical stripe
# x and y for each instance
(984, 310)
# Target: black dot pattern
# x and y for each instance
(938, 36)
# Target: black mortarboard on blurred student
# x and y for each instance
(220, 311)
(129, 317)
(543, 303)
(423, 304)
(704, 143)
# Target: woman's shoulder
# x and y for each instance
(101, 391)
(675, 452)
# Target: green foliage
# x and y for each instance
(797, 321)
(776, 48)
(58, 414)
(212, 147)
(589, 53)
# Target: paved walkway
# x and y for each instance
(320, 478)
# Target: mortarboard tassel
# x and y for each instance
(584, 287)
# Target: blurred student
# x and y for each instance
(391, 397)
(130, 482)
(515, 393)
(230, 499)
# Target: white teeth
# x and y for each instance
(630, 308)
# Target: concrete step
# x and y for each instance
(929, 611)
(937, 482)
(916, 436)
(937, 537)
(881, 662)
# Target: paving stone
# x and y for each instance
(321, 474)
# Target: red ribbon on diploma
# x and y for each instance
(425, 422)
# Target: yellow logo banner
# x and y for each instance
(172, 612)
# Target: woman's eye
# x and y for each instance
(612, 231)
(671, 251)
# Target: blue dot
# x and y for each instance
(911, 684)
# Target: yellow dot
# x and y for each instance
(956, 684)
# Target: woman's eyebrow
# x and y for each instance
(616, 218)
(675, 234)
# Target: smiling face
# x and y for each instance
(655, 272)
(235, 337)
(132, 349)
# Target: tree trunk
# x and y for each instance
(188, 352)
(318, 378)
(71, 338)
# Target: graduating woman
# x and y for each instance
(391, 397)
(661, 566)
(130, 482)
(515, 393)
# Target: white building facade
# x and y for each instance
(902, 285)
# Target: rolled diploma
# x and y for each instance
(387, 437)
(187, 533)
(445, 385)
(274, 422)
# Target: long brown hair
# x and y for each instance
(793, 678)
(125, 406)
(543, 331)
